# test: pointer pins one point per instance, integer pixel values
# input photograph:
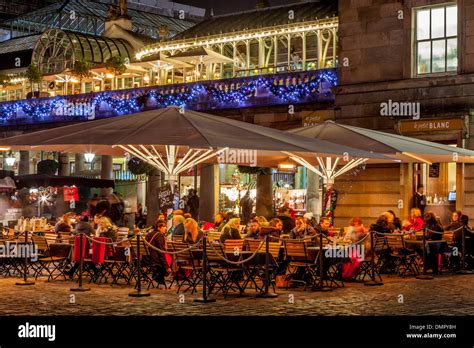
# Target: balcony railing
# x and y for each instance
(264, 90)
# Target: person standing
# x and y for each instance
(158, 263)
(419, 199)
(247, 206)
(192, 204)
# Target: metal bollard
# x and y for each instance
(25, 265)
(139, 292)
(80, 288)
(372, 281)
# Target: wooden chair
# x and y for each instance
(46, 259)
(300, 258)
(188, 270)
(404, 260)
(213, 236)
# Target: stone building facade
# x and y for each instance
(392, 52)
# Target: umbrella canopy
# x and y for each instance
(201, 55)
(43, 180)
(399, 147)
(174, 140)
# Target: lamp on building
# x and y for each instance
(10, 160)
(89, 157)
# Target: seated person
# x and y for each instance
(323, 226)
(382, 225)
(219, 222)
(106, 229)
(64, 224)
(156, 259)
(302, 229)
(356, 230)
(394, 220)
(416, 221)
(192, 233)
(455, 223)
(274, 229)
(284, 215)
(231, 230)
(254, 229)
(83, 227)
(178, 225)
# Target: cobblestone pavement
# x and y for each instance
(445, 295)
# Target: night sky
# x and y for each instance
(229, 6)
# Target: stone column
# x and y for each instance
(24, 165)
(264, 196)
(78, 163)
(154, 182)
(406, 191)
(106, 172)
(313, 204)
(64, 164)
(209, 192)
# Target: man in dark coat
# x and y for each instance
(192, 204)
(288, 222)
(247, 206)
(419, 199)
(157, 259)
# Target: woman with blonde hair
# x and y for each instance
(262, 220)
(416, 221)
(231, 230)
(106, 229)
(192, 233)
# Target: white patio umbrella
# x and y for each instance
(174, 140)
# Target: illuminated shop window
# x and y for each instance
(436, 39)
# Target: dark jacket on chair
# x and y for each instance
(229, 233)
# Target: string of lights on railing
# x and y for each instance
(219, 93)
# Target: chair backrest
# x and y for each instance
(213, 235)
(134, 246)
(326, 241)
(40, 242)
(233, 245)
(395, 242)
(335, 231)
(274, 248)
(178, 247)
(380, 244)
(255, 244)
(295, 249)
(448, 236)
(65, 237)
(214, 251)
(51, 237)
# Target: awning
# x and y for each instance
(43, 180)
(201, 55)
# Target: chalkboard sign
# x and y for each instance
(434, 170)
(166, 198)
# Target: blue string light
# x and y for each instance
(126, 102)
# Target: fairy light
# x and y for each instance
(129, 102)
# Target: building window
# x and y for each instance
(436, 39)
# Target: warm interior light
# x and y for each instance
(109, 76)
(286, 166)
(89, 157)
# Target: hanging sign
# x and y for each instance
(70, 193)
(434, 170)
(167, 198)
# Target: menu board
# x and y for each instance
(434, 170)
(167, 198)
